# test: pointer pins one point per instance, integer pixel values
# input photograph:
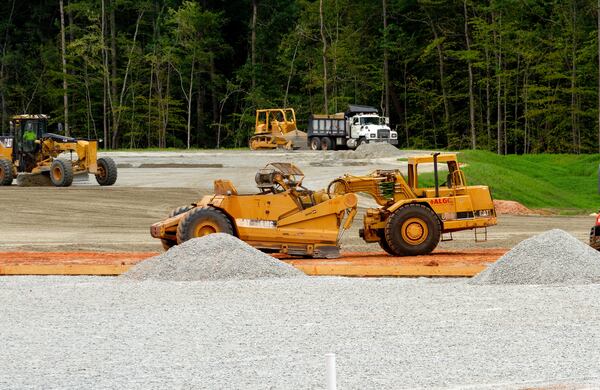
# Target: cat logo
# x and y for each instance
(441, 201)
(7, 142)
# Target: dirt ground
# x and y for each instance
(86, 217)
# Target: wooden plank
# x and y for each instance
(64, 269)
(381, 270)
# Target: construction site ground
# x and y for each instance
(98, 332)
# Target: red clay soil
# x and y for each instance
(480, 256)
(511, 207)
(121, 258)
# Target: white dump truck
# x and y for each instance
(359, 124)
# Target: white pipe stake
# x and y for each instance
(331, 374)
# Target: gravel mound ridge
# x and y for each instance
(553, 257)
(375, 150)
(216, 256)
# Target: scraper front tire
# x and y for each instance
(202, 221)
(413, 230)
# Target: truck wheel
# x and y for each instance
(326, 143)
(413, 230)
(202, 221)
(107, 171)
(6, 173)
(361, 140)
(168, 244)
(315, 143)
(61, 173)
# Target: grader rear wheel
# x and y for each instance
(413, 230)
(168, 244)
(203, 221)
(6, 173)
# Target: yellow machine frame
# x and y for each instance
(285, 217)
(454, 204)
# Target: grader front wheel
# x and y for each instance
(202, 221)
(413, 230)
(6, 173)
(61, 173)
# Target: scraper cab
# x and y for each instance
(283, 217)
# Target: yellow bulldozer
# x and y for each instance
(30, 149)
(275, 128)
(285, 217)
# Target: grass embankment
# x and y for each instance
(564, 183)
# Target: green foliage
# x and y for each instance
(173, 67)
(567, 183)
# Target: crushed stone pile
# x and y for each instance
(375, 150)
(553, 257)
(216, 256)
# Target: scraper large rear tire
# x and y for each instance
(202, 221)
(413, 230)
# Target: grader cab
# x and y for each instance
(31, 149)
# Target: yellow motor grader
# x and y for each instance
(275, 128)
(287, 218)
(30, 149)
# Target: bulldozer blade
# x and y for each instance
(298, 138)
(33, 180)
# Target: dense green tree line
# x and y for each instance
(512, 76)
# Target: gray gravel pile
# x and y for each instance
(375, 150)
(390, 333)
(213, 257)
(553, 257)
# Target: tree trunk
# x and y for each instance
(576, 146)
(106, 142)
(498, 39)
(2, 67)
(488, 107)
(113, 78)
(324, 53)
(598, 17)
(64, 67)
(386, 74)
(441, 66)
(189, 101)
(117, 116)
(253, 43)
(289, 80)
(470, 69)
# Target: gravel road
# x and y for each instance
(83, 332)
